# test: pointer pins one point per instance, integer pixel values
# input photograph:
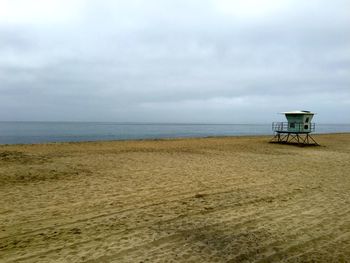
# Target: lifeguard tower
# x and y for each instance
(297, 129)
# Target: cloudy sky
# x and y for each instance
(207, 61)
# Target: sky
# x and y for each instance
(187, 61)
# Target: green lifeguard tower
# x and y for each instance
(297, 129)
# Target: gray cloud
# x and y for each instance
(178, 61)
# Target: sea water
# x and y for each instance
(43, 132)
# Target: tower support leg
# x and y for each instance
(301, 139)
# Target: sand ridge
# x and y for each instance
(231, 199)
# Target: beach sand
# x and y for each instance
(231, 199)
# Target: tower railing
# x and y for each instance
(293, 127)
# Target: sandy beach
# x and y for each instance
(230, 199)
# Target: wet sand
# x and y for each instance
(233, 199)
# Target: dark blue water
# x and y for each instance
(41, 132)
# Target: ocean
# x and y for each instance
(43, 132)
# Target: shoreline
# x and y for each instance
(161, 139)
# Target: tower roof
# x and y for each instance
(298, 112)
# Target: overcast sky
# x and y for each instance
(215, 61)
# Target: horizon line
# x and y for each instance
(159, 123)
